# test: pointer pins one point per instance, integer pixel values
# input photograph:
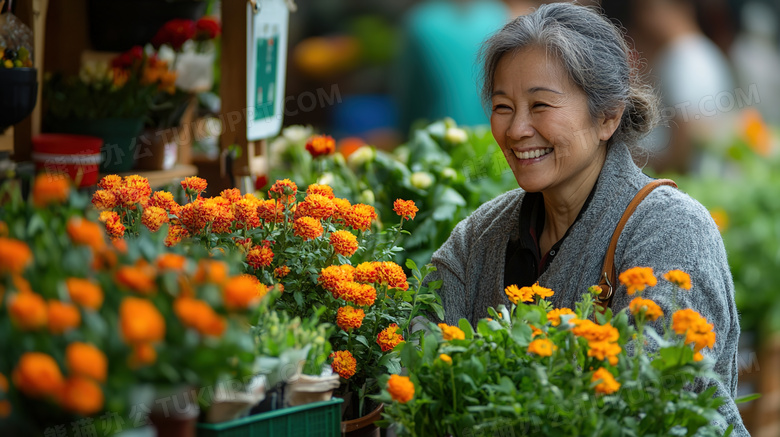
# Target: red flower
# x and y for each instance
(260, 182)
(207, 28)
(174, 33)
(128, 59)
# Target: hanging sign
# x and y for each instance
(266, 67)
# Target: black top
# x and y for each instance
(524, 262)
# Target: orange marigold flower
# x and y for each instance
(515, 294)
(82, 396)
(316, 206)
(28, 310)
(283, 190)
(139, 278)
(15, 256)
(637, 278)
(343, 363)
(451, 332)
(683, 319)
(114, 226)
(139, 184)
(321, 145)
(323, 190)
(176, 233)
(554, 316)
(37, 375)
(241, 292)
(103, 199)
(342, 209)
(281, 272)
(271, 211)
(392, 275)
(260, 256)
(534, 331)
(651, 309)
(245, 213)
(359, 294)
(196, 215)
(604, 350)
(85, 293)
(594, 332)
(446, 358)
(154, 217)
(197, 314)
(348, 318)
(542, 347)
(50, 188)
(84, 232)
(143, 354)
(332, 277)
(171, 261)
(367, 272)
(211, 271)
(360, 217)
(62, 317)
(110, 182)
(401, 388)
(721, 218)
(344, 243)
(164, 200)
(541, 291)
(194, 185)
(608, 384)
(307, 228)
(389, 338)
(231, 194)
(701, 335)
(405, 208)
(140, 321)
(86, 360)
(679, 278)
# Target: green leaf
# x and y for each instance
(465, 326)
(748, 398)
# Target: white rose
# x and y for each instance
(456, 135)
(361, 156)
(421, 180)
(297, 133)
(166, 54)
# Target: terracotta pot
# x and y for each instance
(363, 426)
(154, 152)
(176, 413)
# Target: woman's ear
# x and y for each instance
(609, 122)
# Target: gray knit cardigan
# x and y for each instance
(669, 230)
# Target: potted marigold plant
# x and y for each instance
(89, 322)
(313, 246)
(536, 370)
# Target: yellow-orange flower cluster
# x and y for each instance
(602, 339)
(37, 375)
(516, 294)
(86, 233)
(696, 330)
(542, 347)
(154, 217)
(281, 272)
(86, 360)
(344, 243)
(679, 278)
(651, 309)
(540, 291)
(343, 363)
(608, 384)
(139, 278)
(260, 256)
(170, 261)
(367, 272)
(82, 396)
(245, 213)
(445, 358)
(85, 293)
(389, 338)
(28, 311)
(62, 317)
(15, 256)
(50, 189)
(140, 321)
(211, 271)
(164, 200)
(284, 190)
(349, 318)
(323, 190)
(176, 233)
(197, 314)
(637, 278)
(321, 145)
(114, 226)
(451, 332)
(332, 277)
(391, 274)
(356, 293)
(194, 185)
(360, 216)
(271, 211)
(405, 208)
(307, 228)
(554, 316)
(401, 388)
(316, 206)
(242, 291)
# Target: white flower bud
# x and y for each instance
(361, 156)
(421, 180)
(297, 133)
(326, 179)
(456, 135)
(367, 197)
(449, 173)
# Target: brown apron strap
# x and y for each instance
(608, 275)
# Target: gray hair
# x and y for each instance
(595, 56)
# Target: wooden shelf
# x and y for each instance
(160, 178)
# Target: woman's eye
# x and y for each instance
(541, 105)
(500, 108)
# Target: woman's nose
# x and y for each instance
(520, 127)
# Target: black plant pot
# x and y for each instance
(118, 25)
(18, 94)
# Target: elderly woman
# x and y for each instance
(567, 109)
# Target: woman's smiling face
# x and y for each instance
(541, 121)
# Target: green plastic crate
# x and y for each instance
(318, 419)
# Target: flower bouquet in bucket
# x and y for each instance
(536, 370)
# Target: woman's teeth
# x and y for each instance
(533, 153)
